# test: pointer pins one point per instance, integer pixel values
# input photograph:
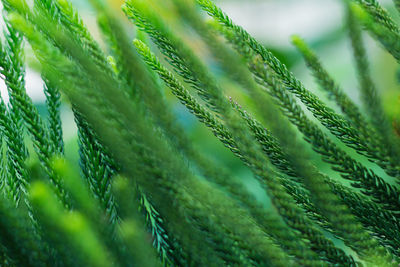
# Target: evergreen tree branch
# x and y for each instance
(360, 206)
(233, 66)
(379, 14)
(320, 186)
(16, 175)
(326, 82)
(290, 211)
(97, 167)
(177, 195)
(332, 121)
(121, 104)
(270, 222)
(34, 123)
(142, 85)
(351, 169)
(64, 13)
(178, 55)
(388, 39)
(369, 95)
(53, 102)
(195, 212)
(127, 199)
(397, 4)
(170, 253)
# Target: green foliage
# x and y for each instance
(144, 193)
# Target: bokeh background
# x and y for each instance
(320, 23)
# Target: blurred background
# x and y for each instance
(320, 23)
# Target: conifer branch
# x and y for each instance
(344, 222)
(343, 163)
(283, 200)
(90, 163)
(326, 82)
(97, 167)
(165, 245)
(232, 65)
(269, 143)
(127, 199)
(189, 67)
(322, 144)
(140, 84)
(321, 190)
(201, 81)
(34, 123)
(119, 103)
(379, 14)
(388, 39)
(358, 205)
(84, 202)
(15, 172)
(382, 223)
(192, 209)
(397, 4)
(177, 196)
(369, 95)
(353, 170)
(64, 12)
(15, 175)
(280, 232)
(53, 102)
(332, 121)
(165, 119)
(348, 107)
